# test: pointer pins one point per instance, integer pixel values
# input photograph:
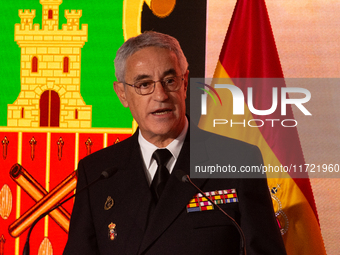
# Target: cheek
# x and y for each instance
(180, 101)
(131, 100)
(137, 107)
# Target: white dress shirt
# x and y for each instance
(147, 149)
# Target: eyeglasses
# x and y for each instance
(147, 87)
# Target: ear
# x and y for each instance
(186, 82)
(120, 91)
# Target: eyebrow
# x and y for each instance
(170, 71)
(141, 77)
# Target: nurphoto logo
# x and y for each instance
(279, 99)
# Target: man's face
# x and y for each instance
(160, 115)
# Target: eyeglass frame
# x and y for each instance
(154, 85)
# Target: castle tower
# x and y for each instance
(73, 19)
(50, 13)
(50, 71)
(26, 18)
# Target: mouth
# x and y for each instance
(161, 112)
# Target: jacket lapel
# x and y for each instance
(175, 196)
(133, 197)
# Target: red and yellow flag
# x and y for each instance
(249, 51)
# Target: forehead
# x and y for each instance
(150, 62)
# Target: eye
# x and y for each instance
(144, 84)
(170, 81)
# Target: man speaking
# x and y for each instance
(144, 208)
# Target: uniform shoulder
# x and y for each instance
(218, 141)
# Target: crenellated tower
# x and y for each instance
(73, 18)
(50, 13)
(50, 71)
(26, 18)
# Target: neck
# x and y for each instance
(160, 141)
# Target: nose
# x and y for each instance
(159, 93)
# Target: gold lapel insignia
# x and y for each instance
(109, 203)
(112, 231)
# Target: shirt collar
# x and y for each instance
(174, 147)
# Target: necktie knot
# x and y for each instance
(162, 156)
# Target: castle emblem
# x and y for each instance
(50, 71)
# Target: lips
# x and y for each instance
(161, 112)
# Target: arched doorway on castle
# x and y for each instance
(49, 109)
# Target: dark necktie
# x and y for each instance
(162, 156)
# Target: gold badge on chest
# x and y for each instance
(109, 203)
